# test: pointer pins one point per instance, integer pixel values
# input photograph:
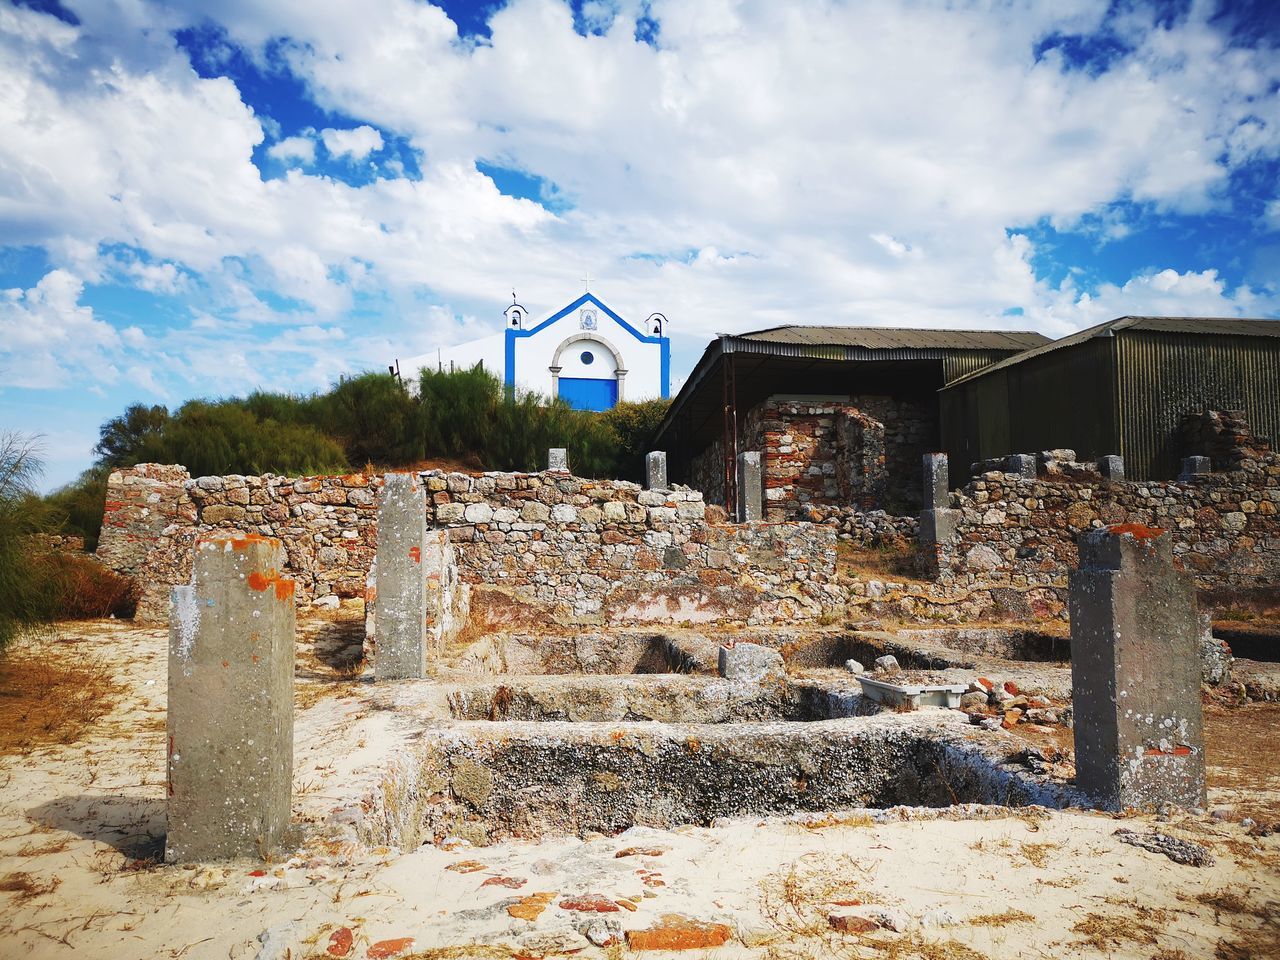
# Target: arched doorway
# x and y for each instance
(587, 372)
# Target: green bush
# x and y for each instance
(27, 598)
(466, 416)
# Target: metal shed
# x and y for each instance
(1120, 387)
(738, 372)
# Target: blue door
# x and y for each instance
(583, 394)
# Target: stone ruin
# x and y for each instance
(598, 728)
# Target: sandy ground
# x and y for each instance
(81, 824)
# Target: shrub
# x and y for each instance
(27, 598)
(633, 426)
(77, 507)
(84, 589)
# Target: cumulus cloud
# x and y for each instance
(295, 150)
(357, 143)
(47, 339)
(762, 163)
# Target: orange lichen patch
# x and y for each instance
(340, 942)
(530, 907)
(266, 579)
(627, 905)
(617, 735)
(1139, 531)
(466, 866)
(694, 744)
(1178, 751)
(415, 554)
(390, 948)
(511, 883)
(591, 903)
(641, 852)
(677, 932)
(238, 541)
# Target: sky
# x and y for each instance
(199, 200)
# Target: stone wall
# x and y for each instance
(609, 550)
(543, 545)
(862, 453)
(706, 472)
(1023, 531)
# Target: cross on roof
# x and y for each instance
(586, 283)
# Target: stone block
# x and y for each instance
(655, 463)
(937, 485)
(1195, 467)
(1021, 465)
(750, 662)
(1135, 672)
(1111, 467)
(557, 460)
(230, 703)
(400, 614)
(937, 526)
(750, 488)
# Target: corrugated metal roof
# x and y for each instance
(889, 338)
(1219, 326)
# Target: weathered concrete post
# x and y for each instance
(1135, 672)
(230, 716)
(750, 487)
(400, 613)
(937, 521)
(655, 464)
(557, 460)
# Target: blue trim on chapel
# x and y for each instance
(664, 343)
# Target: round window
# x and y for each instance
(587, 357)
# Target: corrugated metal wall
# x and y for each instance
(964, 362)
(1165, 375)
(1064, 398)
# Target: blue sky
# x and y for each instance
(198, 203)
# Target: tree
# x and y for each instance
(133, 437)
(25, 600)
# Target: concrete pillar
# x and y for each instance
(655, 464)
(230, 715)
(750, 487)
(1111, 467)
(557, 460)
(937, 483)
(1135, 672)
(937, 521)
(400, 626)
(1195, 467)
(1021, 465)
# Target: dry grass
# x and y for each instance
(1104, 933)
(1001, 919)
(48, 696)
(878, 563)
(838, 820)
(797, 900)
(41, 850)
(1240, 747)
(1235, 902)
(1036, 854)
(23, 886)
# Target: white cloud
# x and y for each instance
(853, 163)
(300, 151)
(47, 339)
(356, 144)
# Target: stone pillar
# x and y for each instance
(400, 626)
(938, 521)
(750, 487)
(1135, 672)
(1111, 467)
(655, 464)
(230, 715)
(557, 460)
(1195, 467)
(1021, 465)
(937, 481)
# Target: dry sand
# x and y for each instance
(81, 823)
